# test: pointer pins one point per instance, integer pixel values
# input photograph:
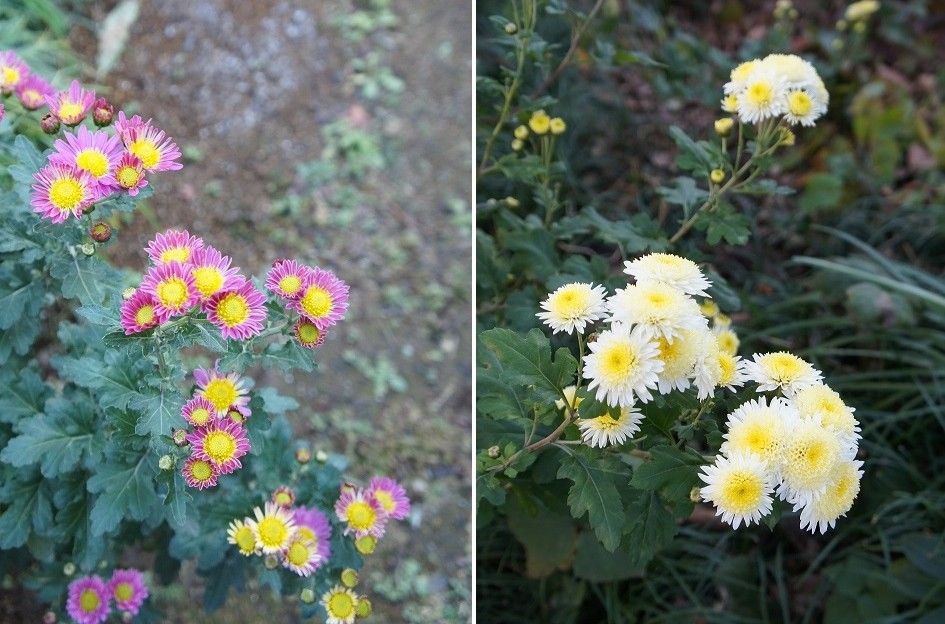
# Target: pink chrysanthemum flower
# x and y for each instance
(362, 515)
(88, 600)
(129, 174)
(173, 288)
(239, 312)
(12, 71)
(71, 106)
(124, 125)
(285, 278)
(128, 590)
(301, 556)
(225, 392)
(173, 246)
(199, 473)
(61, 191)
(97, 153)
(198, 411)
(221, 443)
(308, 334)
(32, 92)
(212, 272)
(314, 526)
(323, 298)
(391, 496)
(157, 151)
(139, 313)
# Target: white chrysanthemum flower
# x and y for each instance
(622, 363)
(822, 402)
(811, 452)
(739, 486)
(676, 271)
(573, 306)
(660, 309)
(606, 430)
(727, 339)
(570, 393)
(822, 512)
(708, 372)
(802, 107)
(679, 359)
(763, 97)
(738, 79)
(781, 371)
(760, 428)
(732, 373)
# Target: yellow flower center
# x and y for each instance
(220, 446)
(233, 310)
(128, 177)
(172, 292)
(784, 366)
(32, 96)
(308, 534)
(361, 516)
(283, 499)
(308, 333)
(618, 362)
(221, 392)
(70, 111)
(124, 592)
(385, 499)
(799, 103)
(208, 280)
(273, 532)
(146, 150)
(93, 161)
(245, 539)
(316, 302)
(290, 284)
(571, 302)
(66, 193)
(727, 366)
(760, 94)
(200, 416)
(144, 315)
(89, 600)
(340, 605)
(175, 254)
(741, 492)
(298, 553)
(730, 103)
(11, 76)
(607, 422)
(201, 470)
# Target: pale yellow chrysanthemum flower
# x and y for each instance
(731, 371)
(727, 339)
(241, 535)
(679, 359)
(660, 309)
(573, 306)
(739, 487)
(837, 499)
(760, 428)
(821, 402)
(570, 394)
(781, 371)
(811, 453)
(607, 430)
(622, 364)
(681, 273)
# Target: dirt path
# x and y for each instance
(247, 89)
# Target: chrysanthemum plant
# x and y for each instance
(128, 418)
(629, 408)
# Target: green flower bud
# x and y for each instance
(307, 596)
(366, 544)
(349, 578)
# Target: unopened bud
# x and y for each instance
(716, 175)
(349, 578)
(364, 608)
(100, 232)
(494, 452)
(366, 544)
(68, 569)
(283, 496)
(517, 145)
(87, 248)
(271, 562)
(128, 293)
(179, 436)
(511, 28)
(102, 112)
(859, 28)
(512, 202)
(307, 596)
(521, 132)
(723, 126)
(49, 618)
(557, 126)
(786, 137)
(695, 494)
(49, 123)
(88, 209)
(235, 416)
(127, 617)
(321, 457)
(841, 25)
(303, 455)
(166, 462)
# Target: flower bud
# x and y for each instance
(102, 112)
(235, 416)
(179, 436)
(68, 569)
(716, 175)
(100, 232)
(321, 457)
(364, 608)
(786, 137)
(49, 618)
(49, 123)
(859, 28)
(303, 455)
(557, 126)
(494, 452)
(307, 596)
(695, 494)
(271, 562)
(349, 578)
(87, 248)
(283, 496)
(511, 28)
(517, 145)
(166, 462)
(88, 209)
(723, 126)
(127, 617)
(128, 293)
(511, 202)
(841, 25)
(521, 132)
(366, 544)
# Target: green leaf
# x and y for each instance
(528, 361)
(548, 537)
(56, 440)
(290, 356)
(593, 563)
(21, 396)
(823, 190)
(671, 471)
(694, 155)
(595, 494)
(86, 278)
(725, 224)
(651, 527)
(160, 411)
(123, 491)
(177, 498)
(115, 379)
(684, 193)
(276, 403)
(13, 301)
(28, 508)
(209, 336)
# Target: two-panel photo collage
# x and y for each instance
(457, 311)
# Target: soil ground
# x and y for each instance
(246, 88)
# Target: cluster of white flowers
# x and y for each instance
(775, 86)
(658, 340)
(799, 446)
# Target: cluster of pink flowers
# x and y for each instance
(216, 413)
(317, 295)
(187, 273)
(90, 597)
(366, 511)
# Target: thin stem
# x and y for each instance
(575, 40)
